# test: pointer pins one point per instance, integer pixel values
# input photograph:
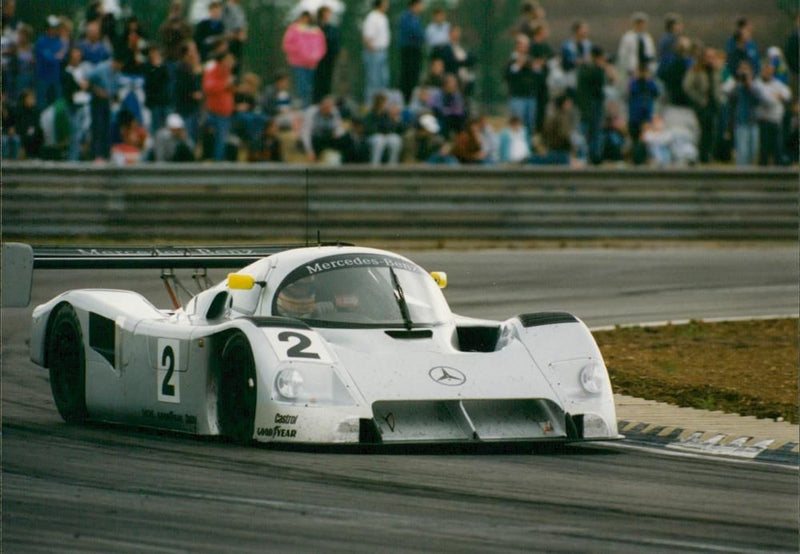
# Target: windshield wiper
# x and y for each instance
(401, 299)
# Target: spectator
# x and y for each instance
(523, 75)
(514, 141)
(133, 139)
(323, 130)
(490, 142)
(430, 145)
(454, 110)
(234, 22)
(741, 46)
(673, 29)
(94, 49)
(210, 31)
(172, 142)
(20, 70)
(268, 147)
(590, 97)
(156, 88)
(12, 144)
(376, 37)
(541, 50)
(323, 77)
(383, 132)
(129, 46)
(574, 52)
(773, 95)
(278, 102)
(776, 59)
(636, 48)
(49, 52)
(436, 74)
(248, 124)
(104, 84)
(189, 89)
(532, 15)
(468, 146)
(614, 135)
(26, 122)
(75, 85)
(658, 141)
(218, 89)
(557, 134)
(459, 61)
(703, 86)
(412, 40)
(437, 33)
(642, 93)
(793, 49)
(743, 101)
(674, 72)
(425, 100)
(358, 148)
(304, 45)
(174, 32)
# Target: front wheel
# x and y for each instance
(67, 363)
(237, 390)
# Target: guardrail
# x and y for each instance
(269, 202)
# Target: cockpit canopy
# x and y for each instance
(360, 290)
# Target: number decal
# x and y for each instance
(299, 350)
(168, 389)
(297, 346)
(169, 382)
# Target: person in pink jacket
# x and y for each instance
(304, 45)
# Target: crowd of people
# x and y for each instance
(110, 90)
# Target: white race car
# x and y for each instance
(327, 344)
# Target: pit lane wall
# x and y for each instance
(264, 202)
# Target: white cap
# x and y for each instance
(53, 21)
(774, 52)
(429, 123)
(174, 121)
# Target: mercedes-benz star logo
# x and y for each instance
(448, 376)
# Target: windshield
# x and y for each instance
(353, 290)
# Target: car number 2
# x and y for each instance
(297, 346)
(168, 375)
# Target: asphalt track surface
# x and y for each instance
(98, 488)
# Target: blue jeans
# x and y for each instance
(222, 127)
(525, 109)
(78, 118)
(303, 84)
(592, 128)
(746, 141)
(12, 145)
(376, 69)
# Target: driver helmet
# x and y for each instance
(297, 299)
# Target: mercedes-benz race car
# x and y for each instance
(328, 344)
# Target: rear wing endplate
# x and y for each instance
(19, 260)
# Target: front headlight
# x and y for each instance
(592, 378)
(289, 383)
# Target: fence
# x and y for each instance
(265, 202)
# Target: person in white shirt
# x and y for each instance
(773, 94)
(376, 36)
(636, 48)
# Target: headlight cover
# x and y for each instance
(289, 383)
(592, 378)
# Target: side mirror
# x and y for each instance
(238, 281)
(440, 277)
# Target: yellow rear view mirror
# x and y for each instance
(440, 277)
(237, 281)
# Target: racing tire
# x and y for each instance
(237, 390)
(66, 360)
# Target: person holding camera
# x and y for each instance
(744, 99)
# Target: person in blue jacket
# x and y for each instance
(49, 51)
(412, 42)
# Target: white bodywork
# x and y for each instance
(359, 383)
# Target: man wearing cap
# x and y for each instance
(636, 48)
(171, 143)
(49, 51)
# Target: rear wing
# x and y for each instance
(20, 260)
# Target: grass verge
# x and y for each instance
(744, 367)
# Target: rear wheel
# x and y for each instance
(237, 390)
(67, 363)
